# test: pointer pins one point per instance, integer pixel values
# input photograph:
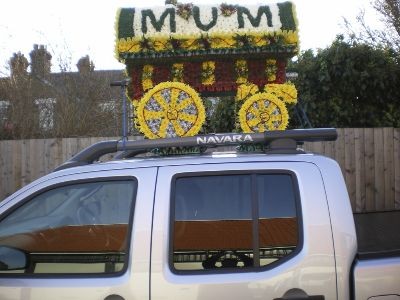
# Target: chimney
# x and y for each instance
(40, 61)
(18, 65)
(85, 65)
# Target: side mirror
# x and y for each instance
(12, 259)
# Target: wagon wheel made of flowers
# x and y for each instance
(262, 112)
(170, 109)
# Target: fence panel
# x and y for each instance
(369, 159)
(396, 155)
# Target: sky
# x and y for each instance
(72, 29)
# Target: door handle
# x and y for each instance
(114, 297)
(299, 294)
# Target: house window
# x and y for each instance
(46, 113)
(108, 106)
(4, 105)
(234, 222)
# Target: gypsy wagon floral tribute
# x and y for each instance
(179, 52)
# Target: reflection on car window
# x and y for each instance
(79, 228)
(233, 221)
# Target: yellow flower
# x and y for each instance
(161, 44)
(246, 90)
(147, 74)
(291, 37)
(271, 69)
(190, 44)
(287, 92)
(241, 71)
(162, 112)
(262, 112)
(128, 45)
(177, 72)
(207, 73)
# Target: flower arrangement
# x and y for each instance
(270, 27)
(171, 2)
(170, 109)
(227, 10)
(181, 44)
(147, 75)
(177, 72)
(246, 90)
(216, 49)
(241, 71)
(207, 73)
(270, 70)
(262, 112)
(287, 92)
(184, 10)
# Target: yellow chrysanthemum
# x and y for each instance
(271, 69)
(241, 71)
(246, 90)
(207, 73)
(170, 109)
(161, 44)
(291, 37)
(128, 45)
(147, 75)
(262, 112)
(177, 72)
(287, 92)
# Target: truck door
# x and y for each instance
(242, 231)
(83, 237)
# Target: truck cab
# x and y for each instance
(234, 224)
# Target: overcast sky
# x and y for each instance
(73, 29)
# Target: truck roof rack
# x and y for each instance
(278, 141)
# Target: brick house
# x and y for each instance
(35, 103)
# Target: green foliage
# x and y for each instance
(349, 86)
(220, 115)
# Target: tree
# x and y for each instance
(389, 36)
(221, 115)
(41, 104)
(350, 85)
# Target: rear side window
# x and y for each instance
(236, 221)
(74, 229)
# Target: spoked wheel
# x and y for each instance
(170, 109)
(262, 112)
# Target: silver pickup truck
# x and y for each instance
(179, 219)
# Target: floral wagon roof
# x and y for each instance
(187, 32)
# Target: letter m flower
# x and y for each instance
(255, 21)
(158, 24)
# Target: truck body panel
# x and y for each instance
(132, 284)
(322, 264)
(377, 277)
(311, 270)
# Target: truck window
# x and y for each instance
(238, 221)
(80, 228)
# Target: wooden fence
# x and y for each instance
(369, 159)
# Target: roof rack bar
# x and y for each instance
(227, 139)
(90, 154)
(94, 152)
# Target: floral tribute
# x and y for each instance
(175, 53)
(170, 109)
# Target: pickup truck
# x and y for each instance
(178, 218)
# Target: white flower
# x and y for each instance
(227, 25)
